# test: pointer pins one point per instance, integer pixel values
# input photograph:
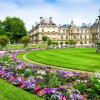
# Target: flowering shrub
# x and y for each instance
(46, 82)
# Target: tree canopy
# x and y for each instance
(14, 28)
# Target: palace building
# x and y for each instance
(86, 35)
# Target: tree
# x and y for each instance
(72, 42)
(98, 48)
(44, 39)
(81, 43)
(25, 40)
(15, 27)
(4, 40)
(1, 28)
(56, 44)
(49, 42)
(61, 43)
(67, 42)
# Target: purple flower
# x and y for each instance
(50, 90)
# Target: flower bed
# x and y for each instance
(49, 83)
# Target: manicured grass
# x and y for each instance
(10, 92)
(75, 58)
(20, 46)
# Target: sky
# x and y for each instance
(62, 11)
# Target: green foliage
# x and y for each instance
(61, 43)
(14, 28)
(54, 82)
(2, 32)
(81, 87)
(93, 88)
(27, 72)
(6, 60)
(51, 80)
(56, 43)
(25, 40)
(72, 42)
(67, 42)
(98, 47)
(4, 40)
(44, 39)
(49, 42)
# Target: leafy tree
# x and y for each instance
(15, 27)
(98, 48)
(72, 42)
(61, 43)
(4, 40)
(56, 44)
(25, 40)
(81, 43)
(1, 28)
(49, 42)
(44, 39)
(67, 42)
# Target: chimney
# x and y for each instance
(36, 23)
(41, 19)
(50, 18)
(72, 22)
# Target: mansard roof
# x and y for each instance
(47, 21)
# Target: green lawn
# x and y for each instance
(9, 92)
(74, 58)
(20, 46)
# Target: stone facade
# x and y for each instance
(85, 35)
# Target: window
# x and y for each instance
(66, 37)
(74, 37)
(62, 37)
(63, 31)
(42, 30)
(80, 37)
(85, 36)
(89, 42)
(85, 42)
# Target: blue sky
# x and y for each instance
(62, 11)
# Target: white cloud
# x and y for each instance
(61, 14)
(76, 1)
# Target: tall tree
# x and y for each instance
(15, 27)
(1, 28)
